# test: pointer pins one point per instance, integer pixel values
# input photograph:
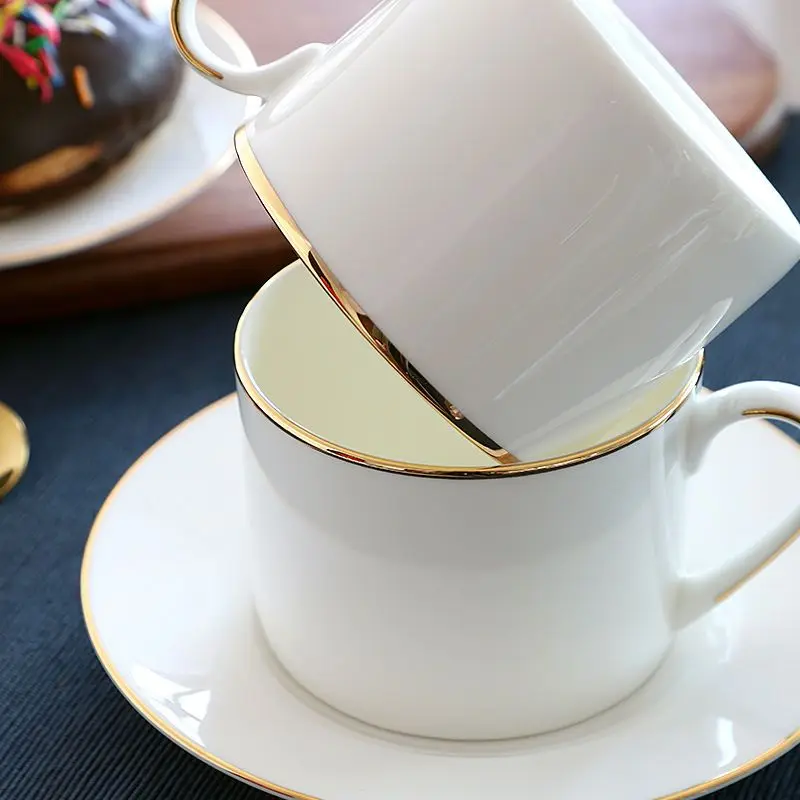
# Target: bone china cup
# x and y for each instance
(520, 203)
(468, 603)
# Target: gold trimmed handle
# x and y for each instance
(261, 81)
(713, 414)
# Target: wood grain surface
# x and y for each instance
(224, 240)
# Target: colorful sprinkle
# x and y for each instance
(30, 34)
(80, 78)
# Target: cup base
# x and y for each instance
(432, 734)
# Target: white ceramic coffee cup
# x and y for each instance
(464, 603)
(522, 204)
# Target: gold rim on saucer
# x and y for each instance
(369, 330)
(781, 748)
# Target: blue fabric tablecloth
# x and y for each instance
(95, 392)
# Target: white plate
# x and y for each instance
(188, 151)
(171, 621)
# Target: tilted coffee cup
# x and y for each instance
(521, 204)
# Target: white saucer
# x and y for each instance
(188, 151)
(170, 619)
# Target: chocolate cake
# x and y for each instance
(82, 83)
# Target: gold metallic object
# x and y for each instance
(367, 328)
(183, 48)
(780, 748)
(14, 450)
(777, 414)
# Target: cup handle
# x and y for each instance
(261, 81)
(712, 414)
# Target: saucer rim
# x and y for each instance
(758, 762)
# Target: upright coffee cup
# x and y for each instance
(521, 204)
(460, 602)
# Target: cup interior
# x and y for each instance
(311, 366)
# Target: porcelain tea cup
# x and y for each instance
(444, 598)
(520, 204)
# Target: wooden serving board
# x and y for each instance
(224, 240)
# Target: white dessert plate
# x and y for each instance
(170, 618)
(185, 154)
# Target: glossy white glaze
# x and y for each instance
(526, 198)
(467, 609)
(194, 142)
(169, 611)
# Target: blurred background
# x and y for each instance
(739, 55)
